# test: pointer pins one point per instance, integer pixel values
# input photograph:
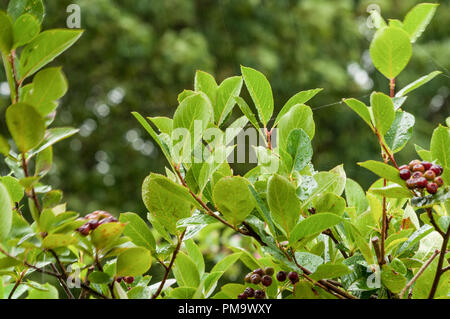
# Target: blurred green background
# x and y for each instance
(137, 55)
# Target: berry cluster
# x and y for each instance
(129, 280)
(264, 277)
(95, 219)
(422, 175)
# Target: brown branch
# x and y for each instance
(33, 195)
(330, 234)
(421, 270)
(62, 282)
(440, 270)
(17, 284)
(168, 268)
(433, 222)
(17, 84)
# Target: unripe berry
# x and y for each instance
(405, 174)
(413, 163)
(248, 278)
(260, 294)
(430, 175)
(259, 271)
(249, 292)
(418, 168)
(411, 183)
(266, 281)
(427, 165)
(421, 182)
(281, 276)
(437, 169)
(269, 271)
(293, 277)
(439, 181)
(128, 280)
(432, 188)
(256, 279)
(242, 296)
(403, 167)
(416, 175)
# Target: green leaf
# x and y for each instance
(423, 153)
(400, 131)
(233, 198)
(299, 98)
(50, 292)
(48, 85)
(164, 124)
(283, 203)
(328, 271)
(53, 136)
(26, 126)
(182, 293)
(299, 116)
(361, 109)
(417, 83)
(423, 284)
(383, 111)
(418, 18)
(44, 48)
(384, 170)
(44, 162)
(392, 191)
(106, 234)
(260, 91)
(16, 8)
(58, 240)
(390, 51)
(4, 146)
(355, 196)
(228, 90)
(314, 224)
(5, 213)
(226, 262)
(98, 277)
(300, 148)
(392, 280)
(247, 111)
(329, 203)
(196, 255)
(6, 33)
(308, 260)
(138, 231)
(440, 145)
(166, 201)
(205, 82)
(332, 181)
(15, 190)
(133, 262)
(25, 29)
(186, 272)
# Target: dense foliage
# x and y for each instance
(301, 232)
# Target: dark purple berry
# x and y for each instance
(427, 165)
(250, 292)
(432, 188)
(439, 181)
(418, 168)
(430, 175)
(421, 182)
(256, 279)
(266, 281)
(281, 276)
(248, 278)
(405, 174)
(242, 296)
(293, 277)
(269, 271)
(128, 280)
(119, 279)
(260, 294)
(259, 271)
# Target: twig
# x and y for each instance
(421, 270)
(17, 284)
(168, 268)
(433, 222)
(330, 234)
(440, 270)
(62, 282)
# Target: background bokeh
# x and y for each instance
(137, 55)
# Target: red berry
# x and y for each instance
(427, 165)
(405, 174)
(249, 292)
(293, 277)
(403, 167)
(260, 294)
(418, 168)
(411, 183)
(421, 182)
(107, 220)
(256, 279)
(266, 281)
(85, 229)
(281, 276)
(432, 188)
(259, 271)
(119, 279)
(436, 169)
(439, 181)
(94, 223)
(417, 175)
(430, 175)
(128, 280)
(242, 296)
(413, 163)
